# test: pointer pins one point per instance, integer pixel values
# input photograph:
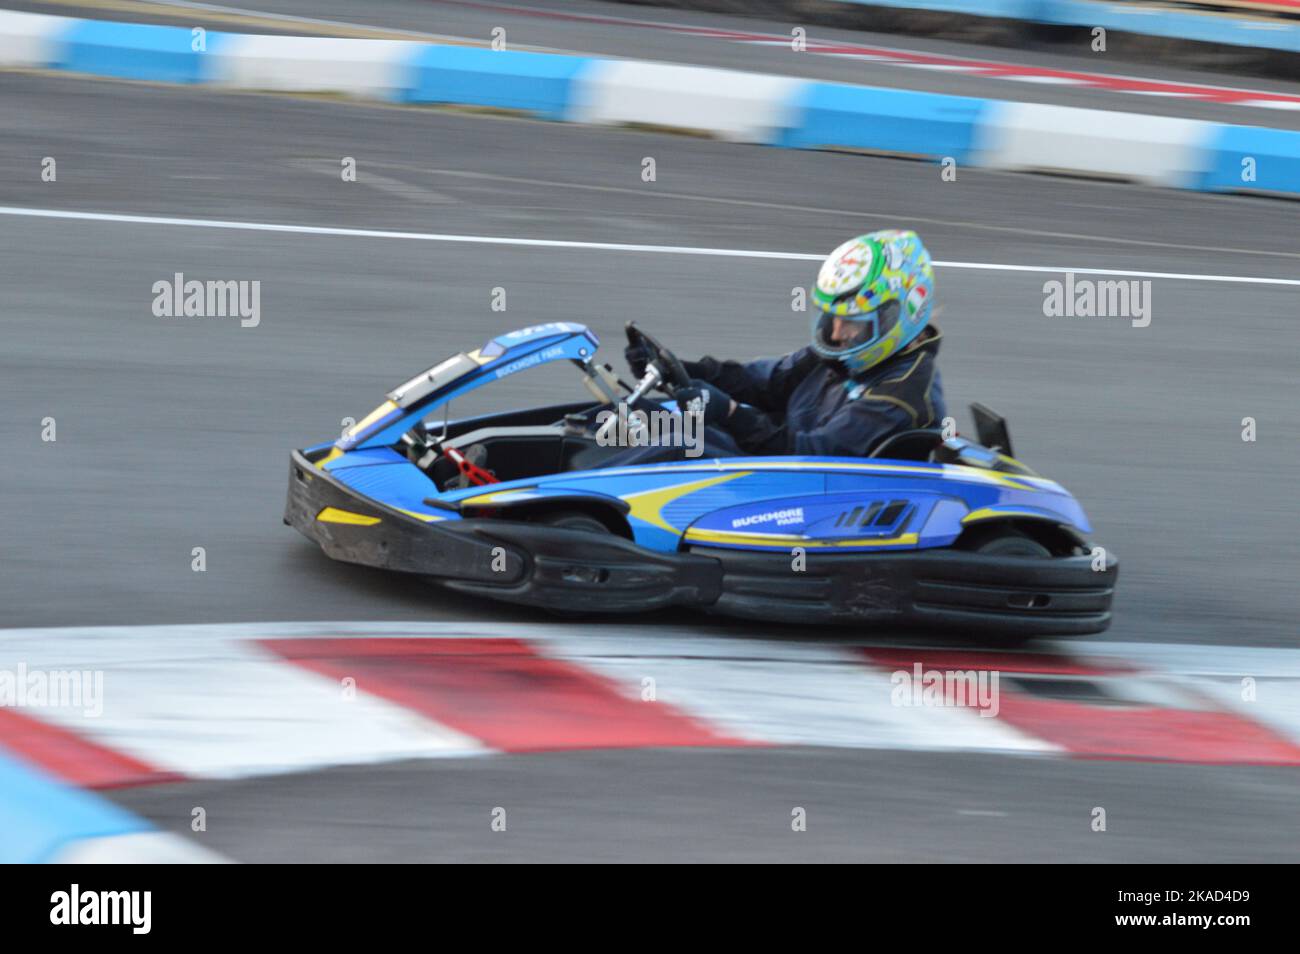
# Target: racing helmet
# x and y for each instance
(880, 287)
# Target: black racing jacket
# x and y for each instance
(803, 404)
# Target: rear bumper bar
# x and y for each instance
(940, 590)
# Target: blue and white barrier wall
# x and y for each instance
(741, 107)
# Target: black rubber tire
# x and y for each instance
(573, 520)
(583, 523)
(1005, 541)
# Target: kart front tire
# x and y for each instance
(1005, 541)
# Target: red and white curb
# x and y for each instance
(227, 701)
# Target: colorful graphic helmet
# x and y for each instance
(881, 283)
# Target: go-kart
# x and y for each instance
(924, 530)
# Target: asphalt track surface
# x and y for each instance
(174, 434)
(704, 805)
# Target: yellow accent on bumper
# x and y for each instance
(426, 517)
(335, 515)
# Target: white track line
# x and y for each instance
(592, 246)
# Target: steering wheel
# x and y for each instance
(670, 366)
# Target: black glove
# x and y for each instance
(702, 398)
(637, 357)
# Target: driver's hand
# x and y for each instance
(637, 356)
(713, 404)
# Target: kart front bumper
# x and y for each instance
(560, 570)
(576, 572)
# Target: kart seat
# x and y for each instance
(913, 444)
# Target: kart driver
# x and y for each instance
(869, 373)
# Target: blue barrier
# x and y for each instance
(135, 51)
(1272, 156)
(883, 120)
(539, 83)
(1174, 24)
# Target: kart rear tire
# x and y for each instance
(1005, 541)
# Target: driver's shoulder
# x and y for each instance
(803, 360)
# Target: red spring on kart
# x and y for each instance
(471, 471)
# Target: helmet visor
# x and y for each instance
(839, 334)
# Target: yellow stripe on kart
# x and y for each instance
(483, 500)
(334, 454)
(388, 407)
(994, 513)
(938, 471)
(335, 515)
(793, 540)
(647, 504)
